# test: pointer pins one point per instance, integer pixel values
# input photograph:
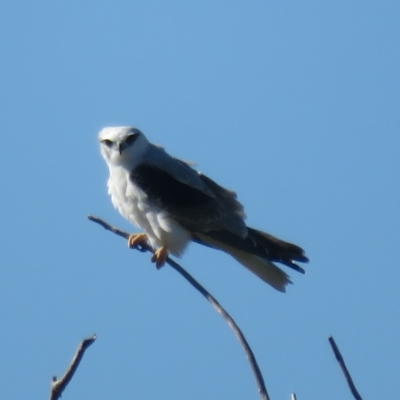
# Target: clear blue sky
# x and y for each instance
(295, 105)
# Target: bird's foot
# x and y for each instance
(137, 239)
(160, 256)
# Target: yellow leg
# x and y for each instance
(137, 238)
(159, 256)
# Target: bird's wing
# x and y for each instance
(178, 169)
(190, 198)
(214, 216)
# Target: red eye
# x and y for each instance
(131, 139)
(107, 142)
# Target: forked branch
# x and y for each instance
(59, 385)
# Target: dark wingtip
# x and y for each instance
(279, 250)
(294, 266)
(302, 258)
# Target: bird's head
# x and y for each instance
(122, 145)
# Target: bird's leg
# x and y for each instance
(159, 256)
(136, 238)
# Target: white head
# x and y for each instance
(122, 145)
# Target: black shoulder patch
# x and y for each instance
(171, 193)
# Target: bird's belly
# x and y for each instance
(161, 230)
(167, 232)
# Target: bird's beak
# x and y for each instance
(120, 148)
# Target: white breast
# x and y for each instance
(134, 205)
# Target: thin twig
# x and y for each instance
(249, 353)
(59, 385)
(342, 364)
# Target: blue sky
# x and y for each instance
(295, 105)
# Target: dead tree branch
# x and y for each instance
(59, 385)
(249, 353)
(342, 364)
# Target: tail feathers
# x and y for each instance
(265, 270)
(262, 267)
(258, 251)
(278, 250)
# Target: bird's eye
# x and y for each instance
(131, 139)
(107, 142)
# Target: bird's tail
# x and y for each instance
(257, 252)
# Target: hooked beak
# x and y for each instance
(120, 148)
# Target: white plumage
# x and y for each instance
(174, 204)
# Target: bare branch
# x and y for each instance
(342, 364)
(249, 353)
(59, 385)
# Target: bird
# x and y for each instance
(174, 204)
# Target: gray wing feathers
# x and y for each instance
(178, 169)
(232, 215)
(221, 211)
